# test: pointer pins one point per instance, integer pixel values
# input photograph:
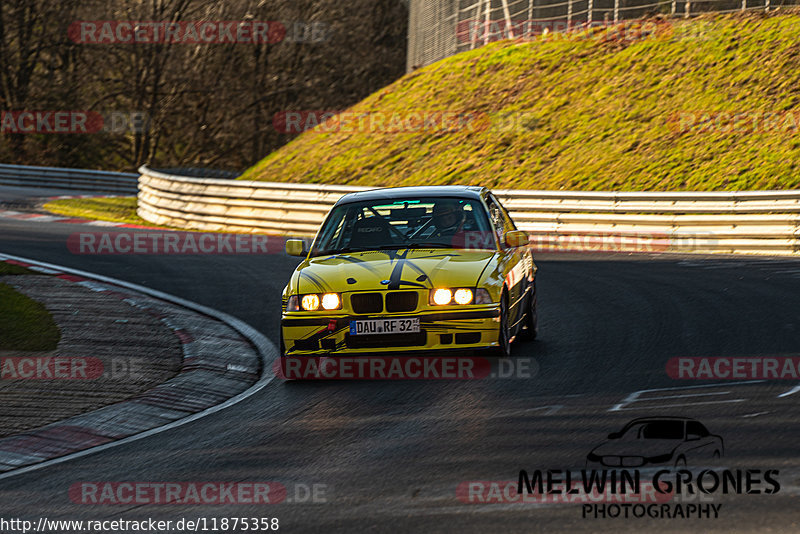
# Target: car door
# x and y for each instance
(513, 262)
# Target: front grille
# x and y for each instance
(402, 301)
(367, 302)
(386, 340)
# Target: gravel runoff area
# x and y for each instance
(126, 363)
(109, 351)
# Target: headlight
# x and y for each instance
(293, 304)
(442, 297)
(463, 296)
(331, 301)
(313, 302)
(310, 302)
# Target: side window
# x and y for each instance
(496, 217)
(693, 427)
(500, 220)
(508, 222)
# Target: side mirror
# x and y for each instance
(614, 435)
(516, 238)
(296, 247)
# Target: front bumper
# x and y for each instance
(311, 334)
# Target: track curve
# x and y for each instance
(391, 454)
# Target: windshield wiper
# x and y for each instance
(339, 251)
(428, 245)
(412, 246)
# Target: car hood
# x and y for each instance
(403, 269)
(643, 447)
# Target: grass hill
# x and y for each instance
(711, 103)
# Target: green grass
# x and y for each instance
(25, 324)
(592, 114)
(117, 209)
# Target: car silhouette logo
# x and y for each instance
(650, 441)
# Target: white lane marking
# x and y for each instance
(636, 395)
(682, 404)
(755, 414)
(263, 345)
(689, 395)
(790, 392)
(549, 410)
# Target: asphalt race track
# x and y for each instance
(388, 456)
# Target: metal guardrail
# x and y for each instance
(766, 222)
(77, 179)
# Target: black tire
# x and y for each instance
(504, 335)
(530, 326)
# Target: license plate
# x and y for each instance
(363, 327)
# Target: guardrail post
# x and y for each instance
(569, 15)
(744, 5)
(674, 7)
(590, 8)
(687, 9)
(488, 21)
(616, 11)
(473, 38)
(507, 17)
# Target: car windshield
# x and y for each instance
(406, 223)
(655, 430)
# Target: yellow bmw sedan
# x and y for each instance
(411, 270)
